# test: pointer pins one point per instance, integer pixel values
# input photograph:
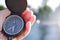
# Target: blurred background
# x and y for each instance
(47, 24)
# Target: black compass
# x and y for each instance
(14, 23)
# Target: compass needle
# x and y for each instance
(11, 28)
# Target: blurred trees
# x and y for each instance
(43, 12)
(2, 7)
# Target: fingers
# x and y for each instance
(27, 30)
(14, 39)
(5, 13)
(32, 19)
(27, 14)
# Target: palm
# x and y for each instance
(2, 18)
(28, 17)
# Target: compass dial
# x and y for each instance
(13, 25)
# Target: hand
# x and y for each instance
(27, 15)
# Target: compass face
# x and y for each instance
(13, 25)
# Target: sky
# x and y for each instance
(52, 3)
(36, 3)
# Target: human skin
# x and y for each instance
(27, 15)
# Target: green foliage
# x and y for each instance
(45, 9)
(2, 8)
(43, 12)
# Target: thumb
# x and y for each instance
(4, 13)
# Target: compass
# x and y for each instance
(14, 23)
